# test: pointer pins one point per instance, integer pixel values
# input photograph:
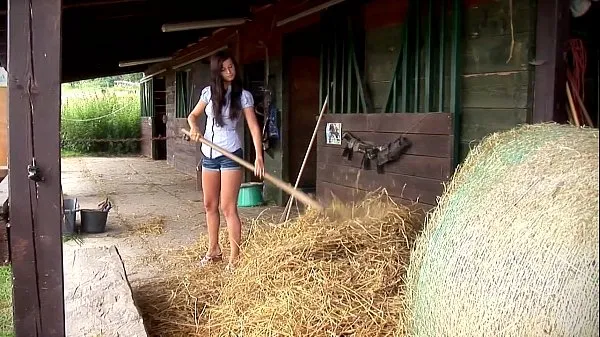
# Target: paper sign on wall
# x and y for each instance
(333, 133)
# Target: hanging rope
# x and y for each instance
(512, 31)
(94, 118)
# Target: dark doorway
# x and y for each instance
(301, 67)
(583, 64)
(159, 121)
(254, 81)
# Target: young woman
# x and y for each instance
(224, 101)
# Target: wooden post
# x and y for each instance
(34, 68)
(549, 102)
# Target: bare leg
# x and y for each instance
(211, 183)
(230, 187)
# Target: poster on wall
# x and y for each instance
(333, 133)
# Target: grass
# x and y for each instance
(6, 318)
(70, 153)
(94, 122)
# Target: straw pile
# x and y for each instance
(334, 273)
(152, 226)
(176, 304)
(512, 249)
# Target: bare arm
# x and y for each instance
(193, 120)
(255, 131)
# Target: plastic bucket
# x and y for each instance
(250, 194)
(93, 221)
(70, 216)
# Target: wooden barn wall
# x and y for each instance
(497, 92)
(416, 177)
(146, 143)
(383, 21)
(247, 42)
(253, 37)
(182, 155)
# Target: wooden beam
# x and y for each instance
(34, 61)
(550, 72)
(100, 3)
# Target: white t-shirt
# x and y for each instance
(225, 135)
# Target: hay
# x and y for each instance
(336, 273)
(153, 226)
(176, 304)
(512, 249)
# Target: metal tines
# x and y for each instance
(105, 206)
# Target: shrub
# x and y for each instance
(101, 123)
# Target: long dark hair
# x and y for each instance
(217, 91)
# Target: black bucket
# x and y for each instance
(93, 221)
(70, 214)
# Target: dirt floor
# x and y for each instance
(143, 192)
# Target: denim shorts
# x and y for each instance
(222, 163)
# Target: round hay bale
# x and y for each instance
(512, 248)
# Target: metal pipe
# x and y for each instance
(406, 59)
(427, 94)
(442, 55)
(455, 72)
(132, 63)
(417, 17)
(183, 26)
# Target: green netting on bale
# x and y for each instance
(512, 248)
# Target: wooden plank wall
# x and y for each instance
(180, 154)
(416, 177)
(184, 156)
(146, 143)
(496, 91)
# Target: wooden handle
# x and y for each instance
(572, 106)
(286, 187)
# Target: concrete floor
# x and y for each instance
(140, 190)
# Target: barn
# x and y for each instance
(439, 75)
(434, 75)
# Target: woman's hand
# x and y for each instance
(195, 134)
(259, 167)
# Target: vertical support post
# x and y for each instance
(34, 68)
(406, 59)
(328, 60)
(427, 96)
(455, 74)
(394, 93)
(348, 57)
(362, 99)
(417, 51)
(334, 107)
(550, 76)
(442, 55)
(343, 83)
(321, 68)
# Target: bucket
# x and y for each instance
(70, 215)
(250, 194)
(93, 221)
